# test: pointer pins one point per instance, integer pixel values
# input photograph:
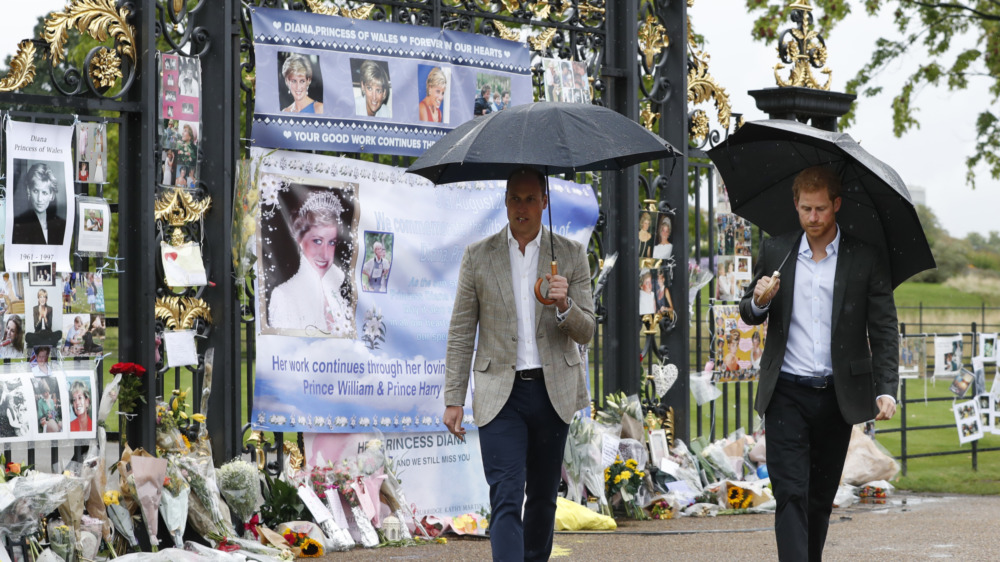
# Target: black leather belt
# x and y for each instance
(810, 382)
(529, 374)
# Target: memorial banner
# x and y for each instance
(440, 474)
(40, 206)
(338, 84)
(357, 269)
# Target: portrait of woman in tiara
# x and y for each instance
(311, 294)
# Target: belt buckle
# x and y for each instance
(522, 375)
(826, 383)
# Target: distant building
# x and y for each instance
(918, 194)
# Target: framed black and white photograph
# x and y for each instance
(42, 274)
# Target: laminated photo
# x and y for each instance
(947, 355)
(94, 230)
(912, 356)
(967, 421)
(91, 153)
(988, 347)
(83, 405)
(18, 418)
(738, 346)
(961, 383)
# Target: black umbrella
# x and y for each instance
(759, 162)
(554, 137)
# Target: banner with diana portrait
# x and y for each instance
(338, 84)
(357, 270)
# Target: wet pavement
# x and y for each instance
(908, 527)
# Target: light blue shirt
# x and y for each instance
(807, 351)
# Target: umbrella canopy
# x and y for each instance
(759, 163)
(554, 137)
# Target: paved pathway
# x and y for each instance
(922, 527)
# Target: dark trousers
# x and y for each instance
(807, 441)
(522, 457)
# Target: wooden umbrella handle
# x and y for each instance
(538, 286)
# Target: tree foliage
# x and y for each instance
(956, 41)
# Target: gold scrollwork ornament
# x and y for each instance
(177, 207)
(180, 313)
(22, 68)
(98, 18)
(653, 39)
(327, 8)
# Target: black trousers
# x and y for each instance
(807, 441)
(522, 457)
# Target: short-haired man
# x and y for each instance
(530, 379)
(482, 105)
(831, 359)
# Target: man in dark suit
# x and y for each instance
(482, 104)
(530, 378)
(831, 358)
(39, 223)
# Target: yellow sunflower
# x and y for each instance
(311, 548)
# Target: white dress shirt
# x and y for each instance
(523, 268)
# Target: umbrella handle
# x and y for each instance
(770, 286)
(538, 287)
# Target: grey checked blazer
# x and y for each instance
(485, 299)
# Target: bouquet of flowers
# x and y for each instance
(348, 489)
(623, 410)
(315, 485)
(239, 485)
(62, 541)
(120, 517)
(582, 459)
(625, 478)
(26, 499)
(207, 513)
(129, 391)
(148, 474)
(697, 278)
(174, 502)
(301, 542)
(661, 509)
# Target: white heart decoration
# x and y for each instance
(664, 377)
(277, 25)
(403, 38)
(288, 134)
(506, 54)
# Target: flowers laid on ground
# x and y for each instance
(624, 478)
(661, 509)
(738, 498)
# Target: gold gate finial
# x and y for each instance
(805, 50)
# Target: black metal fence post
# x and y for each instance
(136, 235)
(220, 123)
(902, 424)
(620, 201)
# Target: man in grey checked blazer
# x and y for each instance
(529, 376)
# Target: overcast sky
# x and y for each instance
(932, 157)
